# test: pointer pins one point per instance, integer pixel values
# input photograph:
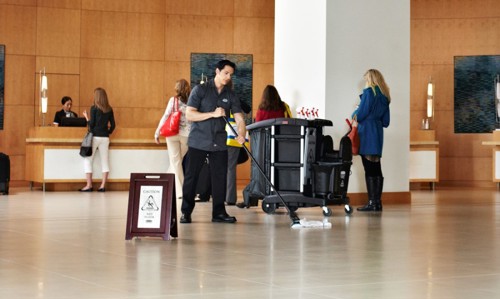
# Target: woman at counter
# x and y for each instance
(101, 124)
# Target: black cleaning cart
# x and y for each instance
(300, 162)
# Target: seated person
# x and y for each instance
(67, 102)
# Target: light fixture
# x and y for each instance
(430, 99)
(43, 94)
(497, 100)
(426, 122)
(497, 87)
(203, 79)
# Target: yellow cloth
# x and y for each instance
(231, 138)
(288, 113)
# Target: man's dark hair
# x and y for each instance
(65, 99)
(221, 64)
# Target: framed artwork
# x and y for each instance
(2, 84)
(476, 107)
(203, 69)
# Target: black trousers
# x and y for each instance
(218, 175)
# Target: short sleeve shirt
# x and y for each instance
(210, 134)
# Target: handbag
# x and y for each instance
(171, 125)
(242, 156)
(353, 135)
(86, 147)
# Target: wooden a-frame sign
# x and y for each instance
(152, 209)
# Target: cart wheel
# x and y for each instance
(327, 211)
(348, 209)
(268, 208)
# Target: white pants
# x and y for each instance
(177, 149)
(101, 143)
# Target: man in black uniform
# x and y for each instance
(208, 104)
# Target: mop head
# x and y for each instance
(304, 223)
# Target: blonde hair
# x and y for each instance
(182, 89)
(375, 78)
(101, 100)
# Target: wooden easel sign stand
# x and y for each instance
(152, 209)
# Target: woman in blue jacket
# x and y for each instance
(373, 115)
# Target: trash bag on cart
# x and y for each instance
(258, 186)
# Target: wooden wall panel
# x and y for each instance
(71, 4)
(19, 80)
(129, 84)
(465, 146)
(58, 65)
(192, 34)
(144, 117)
(454, 9)
(465, 169)
(17, 167)
(18, 29)
(58, 32)
(441, 30)
(254, 35)
(19, 2)
(255, 8)
(141, 6)
(439, 40)
(221, 8)
(17, 120)
(116, 35)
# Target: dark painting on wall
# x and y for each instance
(474, 89)
(204, 64)
(2, 84)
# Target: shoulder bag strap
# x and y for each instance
(176, 104)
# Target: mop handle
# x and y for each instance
(293, 215)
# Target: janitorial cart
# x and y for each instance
(300, 162)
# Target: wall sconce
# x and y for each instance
(497, 100)
(430, 105)
(43, 94)
(203, 79)
(430, 99)
(497, 88)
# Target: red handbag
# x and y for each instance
(353, 135)
(171, 125)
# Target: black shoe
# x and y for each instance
(231, 203)
(101, 190)
(371, 207)
(202, 200)
(86, 190)
(185, 218)
(242, 205)
(224, 218)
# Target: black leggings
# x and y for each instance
(372, 169)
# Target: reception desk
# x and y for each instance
(424, 157)
(53, 160)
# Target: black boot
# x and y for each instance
(374, 203)
(379, 184)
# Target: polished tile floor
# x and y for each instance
(56, 245)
